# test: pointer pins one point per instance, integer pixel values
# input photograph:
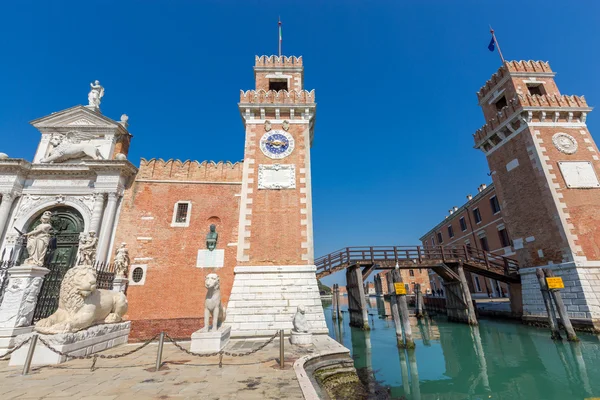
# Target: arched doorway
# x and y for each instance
(67, 224)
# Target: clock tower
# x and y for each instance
(275, 270)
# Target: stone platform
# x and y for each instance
(82, 343)
(264, 300)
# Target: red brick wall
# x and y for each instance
(172, 298)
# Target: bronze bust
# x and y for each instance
(211, 238)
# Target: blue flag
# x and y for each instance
(492, 44)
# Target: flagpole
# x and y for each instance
(497, 44)
(279, 25)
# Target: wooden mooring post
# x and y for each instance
(554, 331)
(560, 307)
(418, 301)
(471, 317)
(357, 302)
(335, 311)
(404, 316)
(395, 313)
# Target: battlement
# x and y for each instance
(532, 67)
(519, 102)
(278, 97)
(205, 171)
(275, 61)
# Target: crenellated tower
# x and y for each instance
(544, 164)
(275, 255)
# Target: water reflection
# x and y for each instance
(499, 360)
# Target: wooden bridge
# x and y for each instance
(448, 263)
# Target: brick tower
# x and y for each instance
(544, 164)
(275, 269)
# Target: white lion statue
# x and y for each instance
(81, 305)
(212, 304)
(66, 147)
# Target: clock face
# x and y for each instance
(277, 144)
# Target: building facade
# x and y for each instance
(544, 166)
(409, 276)
(479, 224)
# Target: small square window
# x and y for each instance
(477, 215)
(411, 272)
(450, 231)
(181, 214)
(536, 89)
(277, 85)
(463, 224)
(495, 205)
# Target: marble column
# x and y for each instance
(108, 223)
(18, 303)
(97, 212)
(5, 206)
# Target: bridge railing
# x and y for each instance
(418, 255)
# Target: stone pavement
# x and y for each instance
(182, 376)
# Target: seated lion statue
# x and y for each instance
(212, 303)
(81, 305)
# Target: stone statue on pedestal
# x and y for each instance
(87, 248)
(95, 95)
(211, 238)
(299, 322)
(212, 304)
(38, 240)
(122, 261)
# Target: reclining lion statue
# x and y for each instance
(81, 305)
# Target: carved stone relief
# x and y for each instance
(565, 143)
(277, 176)
(19, 302)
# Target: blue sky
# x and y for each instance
(395, 85)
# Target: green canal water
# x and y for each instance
(496, 360)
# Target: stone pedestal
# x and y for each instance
(210, 342)
(82, 343)
(301, 338)
(18, 303)
(120, 284)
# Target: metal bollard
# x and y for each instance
(29, 357)
(281, 360)
(161, 341)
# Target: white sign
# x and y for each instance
(210, 259)
(579, 174)
(277, 176)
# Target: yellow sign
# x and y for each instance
(400, 288)
(555, 283)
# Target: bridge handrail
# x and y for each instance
(416, 254)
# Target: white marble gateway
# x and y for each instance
(210, 259)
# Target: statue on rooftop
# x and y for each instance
(95, 95)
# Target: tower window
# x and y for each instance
(501, 103)
(536, 89)
(278, 84)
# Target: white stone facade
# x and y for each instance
(91, 184)
(264, 300)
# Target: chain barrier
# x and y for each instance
(221, 353)
(9, 352)
(95, 356)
